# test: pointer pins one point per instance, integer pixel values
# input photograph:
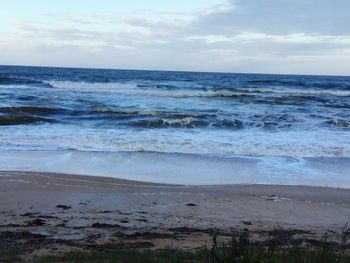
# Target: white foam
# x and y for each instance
(305, 91)
(183, 169)
(133, 89)
(228, 143)
(91, 86)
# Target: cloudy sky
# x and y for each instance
(263, 36)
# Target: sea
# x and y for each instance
(187, 128)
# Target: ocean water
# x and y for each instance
(176, 127)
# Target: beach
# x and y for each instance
(50, 213)
(106, 160)
(209, 131)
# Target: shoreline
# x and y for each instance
(127, 182)
(183, 169)
(64, 212)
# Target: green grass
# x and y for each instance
(10, 256)
(236, 252)
(129, 256)
(239, 250)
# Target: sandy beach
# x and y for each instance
(45, 212)
(175, 131)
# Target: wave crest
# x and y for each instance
(31, 110)
(4, 80)
(21, 119)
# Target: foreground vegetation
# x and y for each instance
(239, 250)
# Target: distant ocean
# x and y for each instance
(235, 128)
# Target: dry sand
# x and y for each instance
(50, 212)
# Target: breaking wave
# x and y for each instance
(20, 81)
(163, 90)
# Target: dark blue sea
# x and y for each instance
(176, 127)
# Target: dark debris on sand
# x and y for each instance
(64, 207)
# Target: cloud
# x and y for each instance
(249, 37)
(125, 38)
(223, 7)
(267, 36)
(68, 18)
(162, 27)
(278, 17)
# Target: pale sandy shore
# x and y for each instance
(49, 212)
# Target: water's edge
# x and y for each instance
(184, 169)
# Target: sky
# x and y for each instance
(253, 36)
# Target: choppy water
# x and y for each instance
(213, 115)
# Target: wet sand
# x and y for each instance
(45, 212)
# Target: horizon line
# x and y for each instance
(180, 71)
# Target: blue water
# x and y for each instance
(279, 121)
